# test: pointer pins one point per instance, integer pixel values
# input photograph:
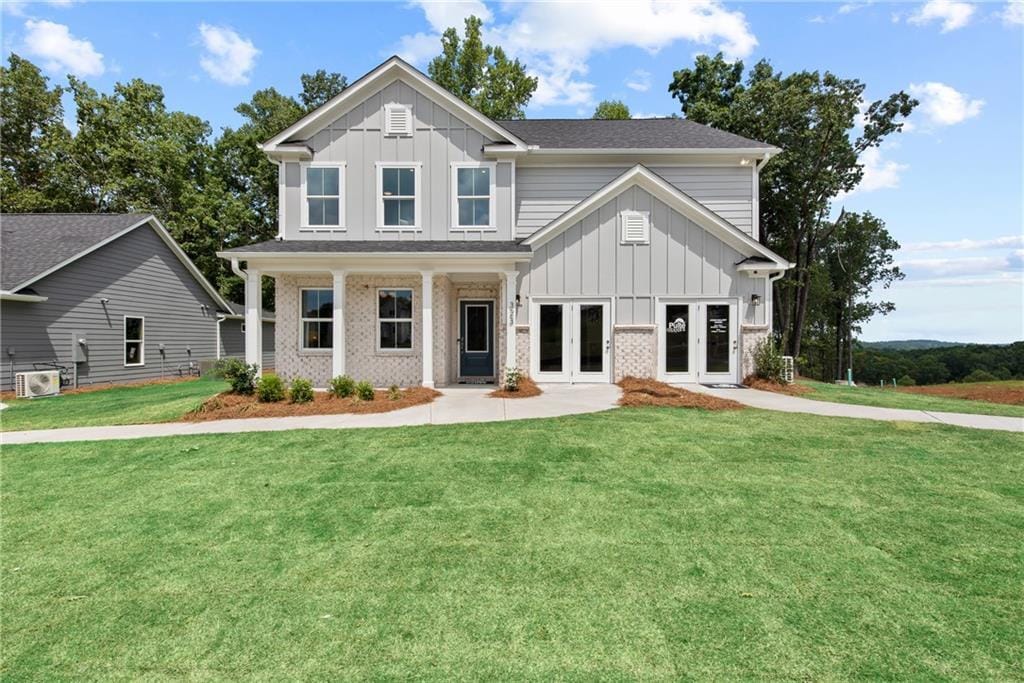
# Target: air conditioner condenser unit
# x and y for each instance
(37, 384)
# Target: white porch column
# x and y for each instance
(511, 277)
(427, 296)
(254, 318)
(338, 325)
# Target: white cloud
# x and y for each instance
(15, 8)
(879, 173)
(61, 51)
(847, 8)
(943, 105)
(1005, 242)
(1013, 13)
(817, 19)
(951, 13)
(556, 40)
(640, 81)
(964, 265)
(227, 57)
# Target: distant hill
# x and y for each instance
(911, 344)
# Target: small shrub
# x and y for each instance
(270, 389)
(364, 391)
(342, 386)
(394, 393)
(512, 379)
(980, 376)
(240, 376)
(906, 381)
(301, 390)
(768, 361)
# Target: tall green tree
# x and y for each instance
(611, 109)
(36, 171)
(481, 75)
(817, 119)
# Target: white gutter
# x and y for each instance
(234, 267)
(26, 298)
(770, 293)
(725, 151)
(411, 255)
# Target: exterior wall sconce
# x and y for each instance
(755, 299)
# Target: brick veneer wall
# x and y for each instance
(749, 338)
(523, 348)
(635, 350)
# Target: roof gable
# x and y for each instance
(393, 69)
(660, 188)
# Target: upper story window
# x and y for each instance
(636, 227)
(323, 208)
(398, 192)
(317, 319)
(397, 120)
(473, 195)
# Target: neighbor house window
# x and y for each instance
(134, 341)
(317, 318)
(323, 206)
(394, 319)
(473, 195)
(398, 186)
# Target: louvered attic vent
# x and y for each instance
(636, 227)
(397, 119)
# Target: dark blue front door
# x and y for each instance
(476, 338)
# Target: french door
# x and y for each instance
(698, 340)
(571, 341)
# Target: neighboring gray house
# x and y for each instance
(111, 296)
(421, 242)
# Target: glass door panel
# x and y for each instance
(718, 345)
(591, 338)
(551, 338)
(677, 338)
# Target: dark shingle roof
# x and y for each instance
(625, 134)
(380, 246)
(34, 243)
(239, 309)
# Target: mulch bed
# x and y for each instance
(229, 406)
(777, 387)
(527, 389)
(638, 392)
(1013, 395)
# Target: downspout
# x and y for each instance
(220, 319)
(242, 274)
(236, 270)
(770, 308)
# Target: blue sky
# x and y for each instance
(950, 189)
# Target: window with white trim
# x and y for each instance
(636, 227)
(317, 319)
(394, 319)
(134, 340)
(323, 208)
(398, 186)
(397, 120)
(473, 195)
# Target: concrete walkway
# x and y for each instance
(457, 404)
(769, 400)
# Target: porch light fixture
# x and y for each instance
(755, 299)
(518, 300)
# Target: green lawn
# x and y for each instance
(121, 405)
(636, 543)
(891, 398)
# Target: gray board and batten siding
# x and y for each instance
(439, 138)
(682, 259)
(139, 276)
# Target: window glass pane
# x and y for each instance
(325, 297)
(465, 212)
(391, 212)
(481, 181)
(481, 211)
(330, 211)
(314, 181)
(387, 335)
(311, 335)
(677, 338)
(326, 332)
(390, 178)
(591, 338)
(133, 328)
(406, 182)
(133, 353)
(407, 212)
(386, 303)
(551, 338)
(465, 182)
(403, 303)
(309, 303)
(316, 211)
(330, 181)
(476, 329)
(718, 338)
(403, 335)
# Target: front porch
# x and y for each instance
(387, 323)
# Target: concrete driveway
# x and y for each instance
(769, 400)
(456, 404)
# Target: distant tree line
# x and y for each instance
(970, 363)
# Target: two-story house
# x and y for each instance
(422, 242)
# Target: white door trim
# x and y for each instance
(662, 324)
(702, 357)
(605, 376)
(570, 372)
(698, 338)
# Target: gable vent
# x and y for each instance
(397, 120)
(636, 227)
